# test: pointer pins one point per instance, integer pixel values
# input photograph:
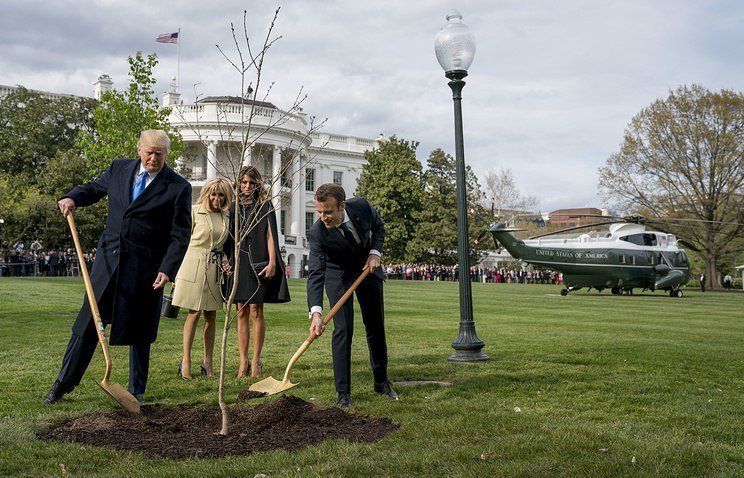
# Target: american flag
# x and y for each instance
(167, 38)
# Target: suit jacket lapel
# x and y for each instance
(356, 221)
(124, 188)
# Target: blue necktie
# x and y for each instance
(139, 186)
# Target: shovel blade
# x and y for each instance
(121, 396)
(270, 386)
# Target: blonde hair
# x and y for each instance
(154, 136)
(219, 185)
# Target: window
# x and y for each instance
(282, 220)
(642, 239)
(338, 177)
(310, 180)
(309, 220)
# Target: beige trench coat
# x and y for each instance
(198, 279)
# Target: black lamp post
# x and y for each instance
(455, 48)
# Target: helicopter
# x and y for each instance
(627, 256)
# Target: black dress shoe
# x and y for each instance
(139, 397)
(344, 400)
(386, 388)
(57, 391)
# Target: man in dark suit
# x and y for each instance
(348, 236)
(146, 235)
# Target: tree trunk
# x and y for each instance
(712, 276)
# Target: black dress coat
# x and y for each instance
(251, 288)
(141, 238)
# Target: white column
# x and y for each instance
(298, 198)
(247, 155)
(276, 184)
(211, 159)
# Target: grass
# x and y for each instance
(640, 385)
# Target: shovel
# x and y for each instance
(115, 391)
(270, 385)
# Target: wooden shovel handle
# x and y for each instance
(341, 302)
(97, 322)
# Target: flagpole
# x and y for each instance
(178, 61)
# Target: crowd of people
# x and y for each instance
(438, 272)
(16, 260)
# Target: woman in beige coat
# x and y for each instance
(199, 278)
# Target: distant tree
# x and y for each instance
(683, 158)
(36, 130)
(122, 116)
(30, 210)
(503, 195)
(435, 240)
(33, 128)
(391, 181)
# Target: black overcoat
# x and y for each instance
(141, 238)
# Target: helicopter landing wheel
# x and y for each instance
(564, 291)
(676, 293)
(615, 291)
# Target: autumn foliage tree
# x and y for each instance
(682, 160)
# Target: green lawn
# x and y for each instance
(641, 385)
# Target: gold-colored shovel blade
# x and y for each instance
(121, 396)
(270, 386)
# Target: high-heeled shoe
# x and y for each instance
(204, 370)
(180, 373)
(258, 369)
(244, 373)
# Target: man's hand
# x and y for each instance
(316, 324)
(373, 262)
(66, 205)
(160, 281)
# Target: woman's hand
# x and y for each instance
(268, 271)
(226, 267)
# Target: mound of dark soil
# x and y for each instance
(288, 423)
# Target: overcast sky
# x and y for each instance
(549, 94)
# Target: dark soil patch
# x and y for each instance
(288, 423)
(249, 395)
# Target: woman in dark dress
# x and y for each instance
(260, 273)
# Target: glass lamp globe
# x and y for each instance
(454, 45)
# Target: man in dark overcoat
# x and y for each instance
(146, 236)
(348, 236)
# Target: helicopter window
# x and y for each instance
(683, 258)
(642, 239)
(621, 258)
